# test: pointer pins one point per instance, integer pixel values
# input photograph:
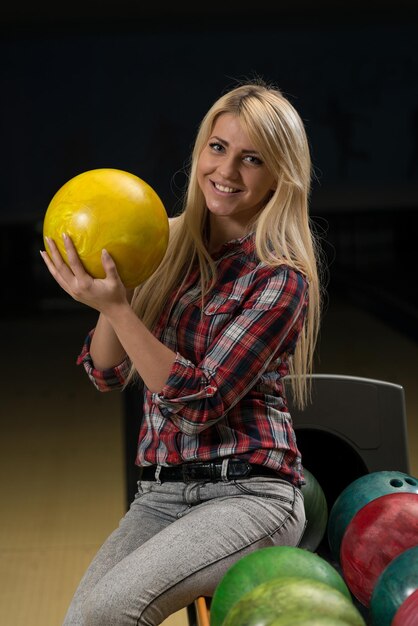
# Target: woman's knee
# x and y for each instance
(105, 607)
(113, 602)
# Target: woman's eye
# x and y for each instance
(253, 159)
(217, 147)
(249, 158)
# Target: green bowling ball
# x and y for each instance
(286, 595)
(316, 510)
(268, 563)
(397, 581)
(307, 619)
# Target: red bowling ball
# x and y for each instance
(357, 494)
(378, 532)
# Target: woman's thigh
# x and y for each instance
(217, 524)
(146, 517)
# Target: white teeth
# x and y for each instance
(224, 189)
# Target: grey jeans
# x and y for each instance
(176, 542)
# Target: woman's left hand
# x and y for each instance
(101, 294)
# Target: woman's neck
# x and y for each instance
(221, 231)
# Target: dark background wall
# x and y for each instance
(98, 85)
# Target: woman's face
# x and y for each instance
(232, 176)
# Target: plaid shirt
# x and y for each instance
(225, 394)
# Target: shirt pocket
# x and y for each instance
(218, 313)
(219, 305)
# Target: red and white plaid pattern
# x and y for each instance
(225, 395)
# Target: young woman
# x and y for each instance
(232, 310)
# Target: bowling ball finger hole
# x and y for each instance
(395, 482)
(411, 481)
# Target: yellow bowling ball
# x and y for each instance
(112, 209)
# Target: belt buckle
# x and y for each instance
(239, 468)
(190, 472)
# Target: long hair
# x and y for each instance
(283, 231)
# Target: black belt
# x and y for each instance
(210, 470)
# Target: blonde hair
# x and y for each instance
(283, 233)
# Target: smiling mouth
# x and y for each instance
(225, 189)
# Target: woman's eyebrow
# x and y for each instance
(226, 143)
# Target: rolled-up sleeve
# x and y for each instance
(269, 323)
(104, 380)
(186, 384)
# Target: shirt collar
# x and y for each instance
(242, 245)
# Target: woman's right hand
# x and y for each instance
(102, 294)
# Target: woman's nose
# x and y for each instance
(229, 168)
